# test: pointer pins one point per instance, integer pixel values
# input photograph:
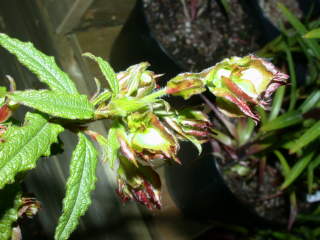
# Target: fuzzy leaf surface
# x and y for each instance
(107, 72)
(24, 145)
(10, 202)
(64, 105)
(40, 64)
(79, 186)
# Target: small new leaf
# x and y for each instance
(79, 186)
(107, 72)
(10, 202)
(113, 146)
(40, 64)
(64, 105)
(23, 146)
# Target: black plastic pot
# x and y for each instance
(200, 191)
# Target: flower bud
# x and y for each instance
(140, 184)
(240, 83)
(150, 139)
(186, 85)
(136, 81)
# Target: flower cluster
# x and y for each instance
(145, 132)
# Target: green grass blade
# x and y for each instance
(277, 102)
(301, 29)
(310, 101)
(285, 120)
(296, 171)
(293, 79)
(310, 135)
(284, 164)
(315, 33)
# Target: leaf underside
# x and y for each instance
(64, 105)
(24, 145)
(10, 202)
(40, 64)
(79, 186)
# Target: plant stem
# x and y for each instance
(153, 96)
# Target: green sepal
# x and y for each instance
(113, 145)
(22, 146)
(58, 104)
(79, 185)
(40, 64)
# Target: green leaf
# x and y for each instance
(79, 186)
(10, 202)
(113, 143)
(301, 29)
(285, 120)
(107, 72)
(315, 33)
(296, 170)
(284, 164)
(64, 105)
(310, 101)
(310, 135)
(312, 166)
(24, 145)
(277, 103)
(40, 64)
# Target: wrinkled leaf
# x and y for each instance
(10, 202)
(79, 186)
(296, 170)
(24, 145)
(70, 106)
(310, 135)
(40, 64)
(107, 71)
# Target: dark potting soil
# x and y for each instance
(199, 36)
(199, 33)
(260, 196)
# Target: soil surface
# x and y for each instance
(198, 36)
(199, 33)
(260, 195)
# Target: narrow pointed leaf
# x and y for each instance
(79, 186)
(70, 106)
(285, 120)
(107, 71)
(310, 135)
(113, 146)
(296, 170)
(315, 33)
(10, 202)
(310, 101)
(24, 145)
(300, 28)
(40, 64)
